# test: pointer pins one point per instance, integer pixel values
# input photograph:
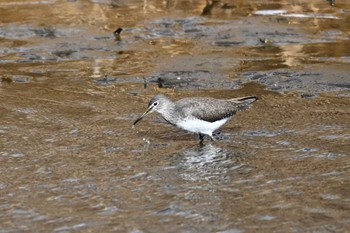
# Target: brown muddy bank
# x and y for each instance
(70, 161)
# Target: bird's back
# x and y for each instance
(210, 109)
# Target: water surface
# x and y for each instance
(70, 161)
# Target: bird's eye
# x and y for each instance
(155, 103)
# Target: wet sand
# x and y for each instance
(70, 161)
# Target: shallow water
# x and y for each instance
(70, 161)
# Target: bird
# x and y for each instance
(201, 115)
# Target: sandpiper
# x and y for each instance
(200, 115)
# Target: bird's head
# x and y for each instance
(158, 103)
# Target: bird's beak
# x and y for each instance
(149, 110)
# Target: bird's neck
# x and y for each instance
(169, 113)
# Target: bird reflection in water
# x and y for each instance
(208, 162)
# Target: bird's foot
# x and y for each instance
(203, 136)
(218, 135)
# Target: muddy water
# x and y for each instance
(70, 161)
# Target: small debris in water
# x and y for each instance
(105, 80)
(146, 140)
(266, 41)
(164, 211)
(307, 95)
(228, 43)
(160, 82)
(117, 34)
(331, 2)
(48, 32)
(6, 80)
(64, 53)
(144, 82)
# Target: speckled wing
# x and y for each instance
(211, 110)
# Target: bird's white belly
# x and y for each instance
(200, 126)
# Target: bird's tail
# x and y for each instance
(247, 99)
(243, 103)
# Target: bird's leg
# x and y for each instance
(201, 137)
